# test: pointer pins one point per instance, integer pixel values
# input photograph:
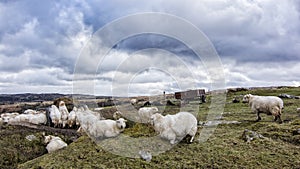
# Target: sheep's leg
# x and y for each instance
(280, 121)
(192, 139)
(258, 117)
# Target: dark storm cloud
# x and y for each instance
(48, 36)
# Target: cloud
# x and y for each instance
(47, 37)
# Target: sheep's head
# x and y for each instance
(47, 139)
(117, 115)
(246, 98)
(154, 118)
(62, 103)
(121, 123)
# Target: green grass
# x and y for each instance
(224, 149)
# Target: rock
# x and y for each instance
(217, 122)
(286, 96)
(298, 110)
(249, 136)
(145, 155)
(31, 137)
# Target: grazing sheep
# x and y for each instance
(106, 128)
(270, 105)
(54, 143)
(145, 113)
(175, 127)
(55, 116)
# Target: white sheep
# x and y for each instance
(7, 116)
(175, 127)
(64, 113)
(145, 113)
(30, 111)
(106, 128)
(72, 117)
(37, 119)
(133, 101)
(117, 115)
(54, 143)
(85, 118)
(55, 116)
(270, 105)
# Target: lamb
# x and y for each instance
(54, 143)
(55, 116)
(145, 113)
(270, 105)
(106, 128)
(64, 113)
(175, 127)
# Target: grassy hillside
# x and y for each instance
(224, 149)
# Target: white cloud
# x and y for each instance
(258, 41)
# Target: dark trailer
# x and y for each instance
(191, 95)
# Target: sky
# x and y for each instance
(44, 46)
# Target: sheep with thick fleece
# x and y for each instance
(64, 113)
(7, 116)
(85, 118)
(106, 128)
(30, 111)
(72, 117)
(270, 105)
(55, 116)
(145, 113)
(175, 127)
(54, 143)
(39, 118)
